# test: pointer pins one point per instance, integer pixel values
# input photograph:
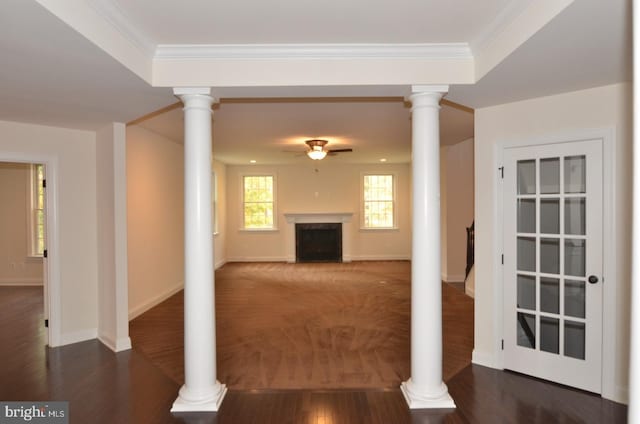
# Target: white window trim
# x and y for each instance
(31, 222)
(274, 228)
(395, 202)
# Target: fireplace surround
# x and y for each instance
(343, 219)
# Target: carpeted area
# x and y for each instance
(309, 326)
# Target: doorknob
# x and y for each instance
(593, 279)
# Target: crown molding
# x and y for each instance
(443, 51)
(118, 19)
(499, 24)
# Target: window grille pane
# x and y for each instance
(378, 201)
(37, 208)
(258, 201)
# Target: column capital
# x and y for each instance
(427, 95)
(197, 95)
(430, 88)
(180, 91)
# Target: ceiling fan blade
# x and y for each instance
(339, 150)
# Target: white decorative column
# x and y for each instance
(634, 359)
(201, 390)
(425, 388)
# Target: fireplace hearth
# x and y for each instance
(318, 242)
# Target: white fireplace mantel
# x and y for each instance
(318, 218)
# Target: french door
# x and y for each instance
(553, 282)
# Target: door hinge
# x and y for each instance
(44, 183)
(46, 323)
(502, 259)
(501, 169)
(502, 344)
(44, 253)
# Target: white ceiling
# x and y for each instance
(52, 75)
(271, 131)
(311, 21)
(587, 45)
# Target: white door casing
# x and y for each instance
(552, 314)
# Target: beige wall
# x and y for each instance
(72, 153)
(459, 210)
(332, 188)
(606, 107)
(155, 218)
(16, 266)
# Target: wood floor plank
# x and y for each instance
(128, 387)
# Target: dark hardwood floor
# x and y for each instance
(103, 387)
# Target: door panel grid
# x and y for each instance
(552, 240)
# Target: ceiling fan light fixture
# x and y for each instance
(317, 154)
(316, 147)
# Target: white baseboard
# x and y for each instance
(220, 264)
(155, 300)
(380, 258)
(346, 259)
(119, 345)
(21, 281)
(469, 290)
(620, 395)
(453, 278)
(482, 358)
(78, 336)
(257, 259)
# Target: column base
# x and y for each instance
(208, 403)
(417, 400)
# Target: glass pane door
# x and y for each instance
(551, 254)
(552, 242)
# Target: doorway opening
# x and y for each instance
(23, 268)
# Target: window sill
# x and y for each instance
(258, 230)
(34, 258)
(381, 229)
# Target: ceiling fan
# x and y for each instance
(317, 149)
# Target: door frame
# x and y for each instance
(609, 271)
(54, 335)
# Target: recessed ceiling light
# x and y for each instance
(383, 160)
(252, 161)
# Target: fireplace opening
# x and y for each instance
(319, 242)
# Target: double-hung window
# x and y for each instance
(378, 194)
(37, 224)
(258, 202)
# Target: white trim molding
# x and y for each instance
(154, 301)
(117, 345)
(21, 281)
(432, 51)
(78, 336)
(453, 278)
(118, 20)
